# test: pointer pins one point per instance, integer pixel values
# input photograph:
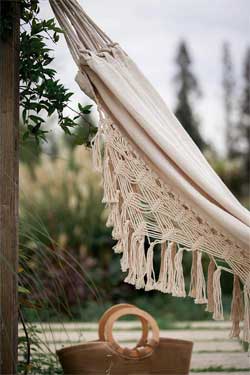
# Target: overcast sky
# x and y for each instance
(150, 30)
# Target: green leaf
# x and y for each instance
(36, 119)
(41, 135)
(58, 30)
(88, 107)
(51, 110)
(24, 115)
(56, 37)
(86, 110)
(23, 290)
(65, 129)
(26, 135)
(68, 95)
(36, 128)
(22, 339)
(80, 107)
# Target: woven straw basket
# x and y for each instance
(106, 357)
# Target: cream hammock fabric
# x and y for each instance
(162, 193)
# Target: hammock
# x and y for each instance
(162, 194)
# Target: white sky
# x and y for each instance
(149, 30)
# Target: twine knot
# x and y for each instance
(198, 242)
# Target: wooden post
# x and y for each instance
(9, 124)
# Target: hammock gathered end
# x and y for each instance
(164, 199)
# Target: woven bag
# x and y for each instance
(106, 357)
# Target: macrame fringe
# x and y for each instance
(110, 221)
(114, 218)
(179, 282)
(200, 297)
(124, 242)
(141, 265)
(150, 267)
(109, 185)
(193, 282)
(218, 306)
(118, 247)
(246, 326)
(138, 262)
(171, 252)
(210, 290)
(133, 253)
(96, 151)
(237, 308)
(161, 284)
(117, 227)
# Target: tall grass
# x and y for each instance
(62, 224)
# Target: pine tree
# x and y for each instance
(244, 123)
(187, 90)
(228, 91)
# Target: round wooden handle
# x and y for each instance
(119, 307)
(140, 351)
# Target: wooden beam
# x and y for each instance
(9, 124)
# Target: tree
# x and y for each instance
(228, 91)
(9, 112)
(187, 90)
(41, 95)
(244, 122)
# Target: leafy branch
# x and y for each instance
(41, 93)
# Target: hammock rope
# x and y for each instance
(81, 33)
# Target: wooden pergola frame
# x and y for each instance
(9, 158)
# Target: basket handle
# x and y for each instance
(139, 351)
(119, 307)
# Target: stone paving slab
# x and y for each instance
(211, 335)
(218, 346)
(133, 325)
(232, 360)
(225, 324)
(84, 326)
(220, 373)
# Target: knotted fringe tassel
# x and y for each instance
(218, 306)
(96, 151)
(109, 185)
(162, 280)
(210, 296)
(131, 277)
(110, 220)
(150, 267)
(141, 265)
(237, 309)
(179, 282)
(171, 252)
(118, 248)
(116, 219)
(120, 231)
(246, 327)
(125, 247)
(193, 282)
(200, 283)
